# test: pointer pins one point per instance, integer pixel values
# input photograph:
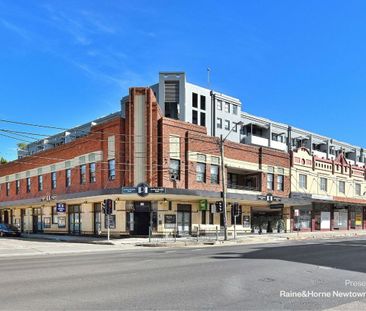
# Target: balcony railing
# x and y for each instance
(242, 187)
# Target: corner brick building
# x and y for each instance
(140, 145)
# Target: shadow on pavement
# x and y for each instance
(345, 255)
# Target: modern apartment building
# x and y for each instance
(167, 137)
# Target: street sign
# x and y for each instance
(61, 207)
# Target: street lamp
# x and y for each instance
(223, 175)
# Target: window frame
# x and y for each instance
(301, 181)
(53, 180)
(174, 170)
(92, 172)
(40, 183)
(111, 169)
(82, 172)
(215, 181)
(270, 183)
(201, 174)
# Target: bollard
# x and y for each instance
(217, 234)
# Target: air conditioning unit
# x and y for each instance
(174, 176)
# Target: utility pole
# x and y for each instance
(223, 176)
(109, 227)
(223, 181)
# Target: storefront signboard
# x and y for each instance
(203, 205)
(170, 221)
(61, 207)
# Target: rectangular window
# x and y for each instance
(68, 178)
(235, 128)
(227, 107)
(232, 180)
(219, 104)
(280, 182)
(358, 189)
(112, 169)
(270, 181)
(203, 217)
(7, 189)
(194, 100)
(214, 174)
(219, 123)
(53, 180)
(201, 172)
(203, 102)
(54, 215)
(342, 187)
(203, 119)
(28, 184)
(303, 181)
(174, 169)
(235, 109)
(92, 173)
(17, 186)
(323, 184)
(194, 117)
(82, 174)
(227, 125)
(40, 183)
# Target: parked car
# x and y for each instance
(9, 230)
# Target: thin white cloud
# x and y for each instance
(16, 29)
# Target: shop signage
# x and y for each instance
(128, 190)
(322, 197)
(269, 197)
(296, 212)
(203, 205)
(143, 189)
(48, 198)
(61, 207)
(276, 206)
(170, 221)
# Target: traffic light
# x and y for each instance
(107, 206)
(235, 208)
(219, 206)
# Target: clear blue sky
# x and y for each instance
(64, 63)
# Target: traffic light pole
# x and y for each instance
(109, 227)
(223, 181)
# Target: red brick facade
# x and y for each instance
(193, 139)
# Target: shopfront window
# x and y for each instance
(340, 221)
(303, 221)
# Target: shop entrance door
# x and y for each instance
(141, 218)
(184, 212)
(22, 214)
(37, 220)
(6, 217)
(74, 220)
(97, 219)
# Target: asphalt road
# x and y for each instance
(235, 277)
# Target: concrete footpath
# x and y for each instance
(194, 241)
(48, 244)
